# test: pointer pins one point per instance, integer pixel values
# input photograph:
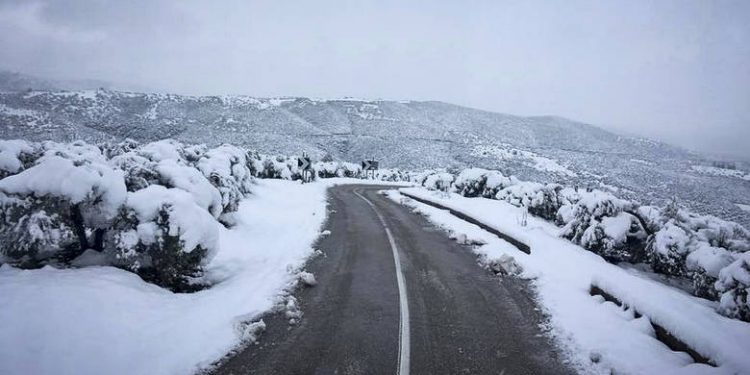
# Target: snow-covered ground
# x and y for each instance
(599, 336)
(103, 320)
(721, 172)
(506, 152)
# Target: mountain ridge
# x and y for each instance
(404, 134)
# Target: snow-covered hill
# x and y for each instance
(406, 134)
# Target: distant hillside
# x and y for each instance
(12, 81)
(405, 134)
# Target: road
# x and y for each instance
(460, 319)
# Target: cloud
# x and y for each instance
(675, 70)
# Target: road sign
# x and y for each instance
(304, 163)
(369, 165)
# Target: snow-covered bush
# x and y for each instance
(73, 198)
(279, 167)
(15, 156)
(478, 182)
(330, 169)
(33, 231)
(704, 265)
(437, 180)
(540, 200)
(734, 284)
(601, 222)
(164, 236)
(226, 167)
(392, 175)
(152, 209)
(667, 249)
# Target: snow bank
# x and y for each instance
(618, 230)
(105, 320)
(562, 274)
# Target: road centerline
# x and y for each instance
(403, 336)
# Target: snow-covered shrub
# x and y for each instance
(392, 175)
(164, 236)
(540, 200)
(437, 181)
(226, 167)
(476, 182)
(326, 169)
(74, 199)
(139, 171)
(668, 248)
(33, 231)
(704, 265)
(681, 233)
(734, 284)
(111, 150)
(15, 156)
(330, 169)
(598, 221)
(277, 167)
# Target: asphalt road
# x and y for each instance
(461, 318)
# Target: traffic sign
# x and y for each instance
(369, 165)
(304, 163)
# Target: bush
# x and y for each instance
(598, 222)
(477, 182)
(226, 167)
(151, 209)
(438, 181)
(704, 265)
(71, 199)
(15, 156)
(33, 232)
(164, 236)
(733, 284)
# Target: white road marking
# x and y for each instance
(403, 332)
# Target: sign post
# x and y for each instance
(369, 167)
(305, 165)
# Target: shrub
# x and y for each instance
(162, 235)
(733, 284)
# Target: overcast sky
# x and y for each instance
(672, 70)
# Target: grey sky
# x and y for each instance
(673, 70)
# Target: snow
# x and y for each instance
(507, 152)
(4, 109)
(708, 258)
(60, 177)
(161, 150)
(562, 274)
(194, 225)
(722, 172)
(192, 181)
(10, 150)
(617, 227)
(670, 237)
(98, 320)
(743, 207)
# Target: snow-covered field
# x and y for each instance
(599, 336)
(103, 320)
(721, 172)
